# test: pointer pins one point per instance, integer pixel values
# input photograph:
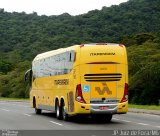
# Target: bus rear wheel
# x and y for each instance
(64, 114)
(37, 111)
(102, 117)
(108, 118)
(58, 111)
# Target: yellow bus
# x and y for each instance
(86, 79)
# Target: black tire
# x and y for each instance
(64, 114)
(102, 117)
(108, 117)
(58, 111)
(37, 111)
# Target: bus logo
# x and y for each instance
(86, 88)
(104, 90)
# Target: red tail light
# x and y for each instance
(125, 96)
(79, 96)
(101, 43)
(82, 45)
(121, 45)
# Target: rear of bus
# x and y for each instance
(103, 85)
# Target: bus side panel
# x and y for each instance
(122, 107)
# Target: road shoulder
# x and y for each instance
(153, 112)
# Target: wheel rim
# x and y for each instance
(57, 111)
(64, 113)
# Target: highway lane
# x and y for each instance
(19, 116)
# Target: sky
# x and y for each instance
(56, 7)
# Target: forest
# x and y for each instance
(135, 23)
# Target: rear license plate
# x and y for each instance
(103, 107)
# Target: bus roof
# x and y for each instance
(53, 52)
(61, 50)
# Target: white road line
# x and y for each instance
(143, 124)
(26, 114)
(56, 123)
(126, 121)
(5, 110)
(20, 105)
(122, 120)
(116, 119)
(136, 123)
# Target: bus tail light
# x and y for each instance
(125, 96)
(101, 43)
(79, 96)
(82, 45)
(121, 45)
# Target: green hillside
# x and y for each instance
(144, 68)
(135, 23)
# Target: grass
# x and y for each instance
(4, 98)
(147, 107)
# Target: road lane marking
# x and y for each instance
(126, 121)
(122, 120)
(56, 123)
(18, 104)
(116, 119)
(136, 123)
(5, 110)
(26, 114)
(143, 124)
(21, 105)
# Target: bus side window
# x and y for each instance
(28, 77)
(72, 56)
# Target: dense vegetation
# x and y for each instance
(135, 23)
(144, 68)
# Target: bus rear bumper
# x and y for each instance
(116, 108)
(122, 107)
(103, 108)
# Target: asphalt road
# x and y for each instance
(20, 116)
